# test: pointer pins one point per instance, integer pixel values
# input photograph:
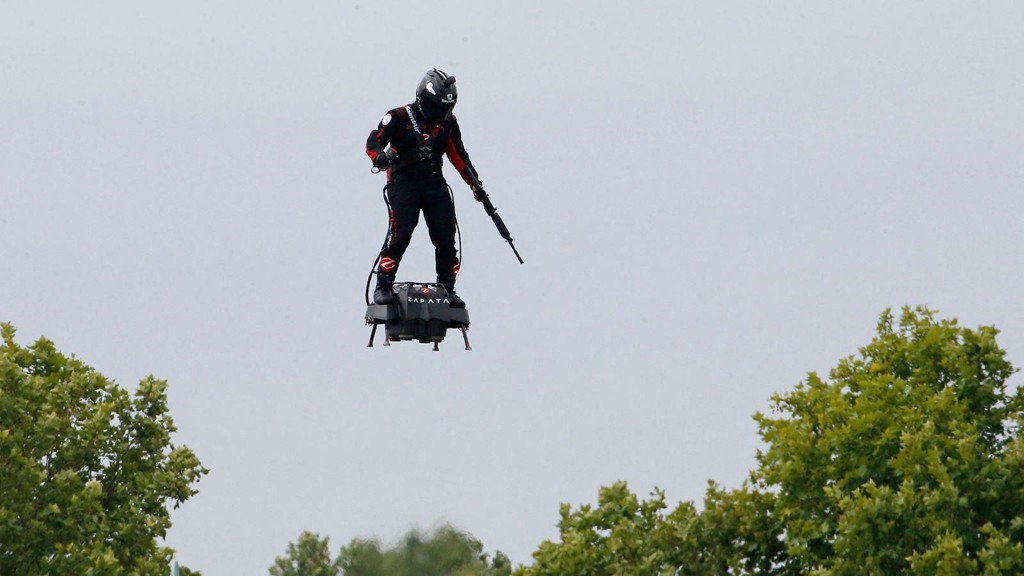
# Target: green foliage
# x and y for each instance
(86, 469)
(442, 552)
(310, 556)
(736, 534)
(621, 535)
(906, 460)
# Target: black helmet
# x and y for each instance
(436, 95)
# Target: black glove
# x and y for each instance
(382, 161)
(479, 194)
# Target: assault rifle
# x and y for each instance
(478, 191)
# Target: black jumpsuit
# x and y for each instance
(415, 183)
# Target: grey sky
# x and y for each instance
(711, 198)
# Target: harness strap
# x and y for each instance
(415, 124)
(425, 153)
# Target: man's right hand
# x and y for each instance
(382, 161)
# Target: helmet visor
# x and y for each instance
(436, 111)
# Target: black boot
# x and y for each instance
(385, 292)
(453, 299)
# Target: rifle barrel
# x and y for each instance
(491, 211)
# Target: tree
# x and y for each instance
(310, 556)
(87, 470)
(445, 551)
(442, 552)
(621, 535)
(906, 460)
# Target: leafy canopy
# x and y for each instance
(442, 552)
(907, 459)
(87, 470)
(309, 556)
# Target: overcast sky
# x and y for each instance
(712, 200)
